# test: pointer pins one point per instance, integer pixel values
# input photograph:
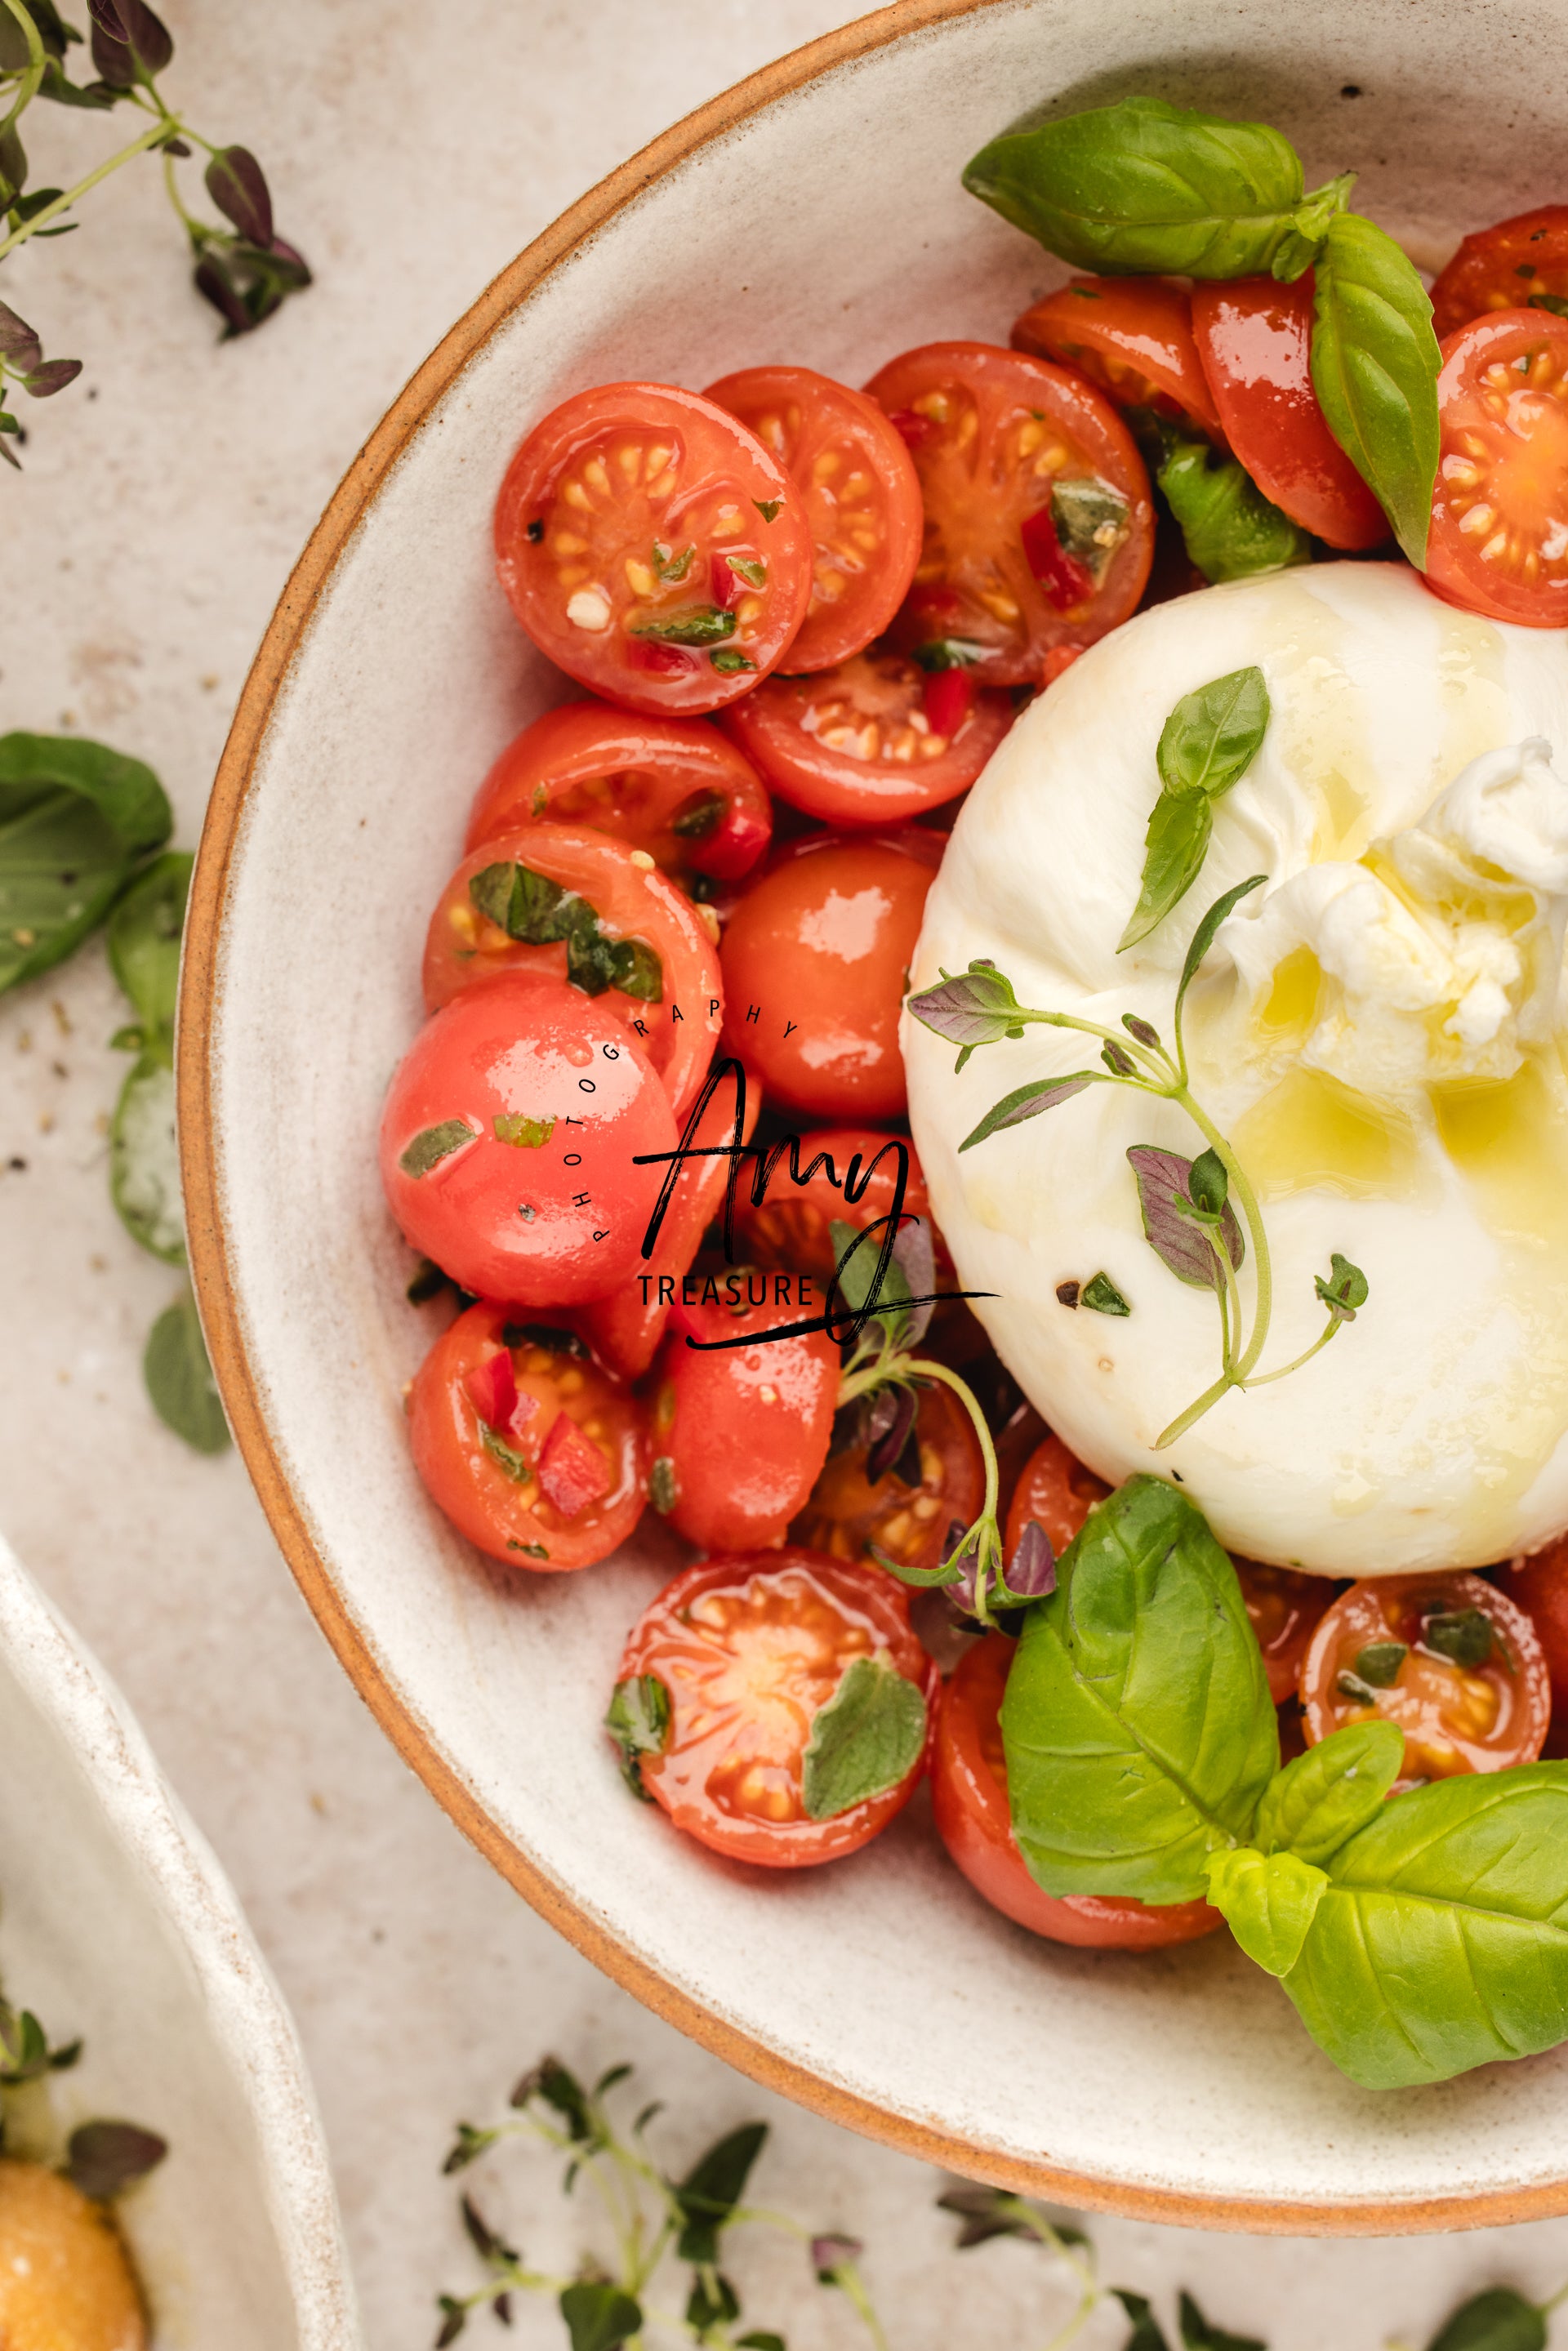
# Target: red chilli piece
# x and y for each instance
(948, 698)
(1065, 580)
(493, 1390)
(572, 1470)
(913, 426)
(723, 585)
(665, 660)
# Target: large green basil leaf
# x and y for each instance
(1375, 370)
(1268, 1901)
(1441, 1941)
(180, 1378)
(1321, 1798)
(1138, 1727)
(75, 819)
(1143, 185)
(143, 941)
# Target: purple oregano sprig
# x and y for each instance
(1188, 1219)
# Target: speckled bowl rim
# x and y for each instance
(213, 1271)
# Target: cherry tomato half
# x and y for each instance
(969, 1802)
(1038, 523)
(1450, 1658)
(738, 1436)
(1500, 510)
(532, 1451)
(861, 498)
(653, 548)
(1058, 1491)
(1540, 1586)
(746, 1652)
(673, 787)
(790, 1226)
(1285, 1608)
(1132, 337)
(906, 1515)
(873, 741)
(573, 904)
(1499, 268)
(816, 960)
(509, 1139)
(1254, 340)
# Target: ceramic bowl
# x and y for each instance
(117, 1923)
(814, 213)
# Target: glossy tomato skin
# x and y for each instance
(522, 1222)
(861, 496)
(815, 961)
(872, 741)
(1502, 470)
(671, 786)
(1499, 268)
(995, 435)
(1285, 1609)
(1057, 1491)
(632, 542)
(465, 946)
(1132, 337)
(1254, 340)
(907, 1517)
(1540, 1586)
(740, 1435)
(749, 1650)
(1456, 1718)
(493, 1493)
(969, 1802)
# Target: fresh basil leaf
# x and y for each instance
(856, 1256)
(712, 2188)
(1126, 1766)
(1175, 846)
(1183, 1241)
(75, 819)
(1101, 1294)
(707, 2308)
(1145, 2335)
(867, 1738)
(1497, 2320)
(1143, 185)
(1323, 1797)
(1441, 1941)
(525, 904)
(599, 2317)
(1268, 1902)
(143, 939)
(1375, 370)
(1463, 1634)
(1214, 733)
(1028, 1102)
(1203, 937)
(180, 1378)
(432, 1144)
(1378, 1664)
(1197, 2334)
(103, 2157)
(145, 1161)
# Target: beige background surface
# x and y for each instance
(413, 150)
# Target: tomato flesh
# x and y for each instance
(969, 1802)
(620, 515)
(1132, 337)
(748, 1651)
(1501, 268)
(862, 498)
(1540, 1586)
(739, 1434)
(1450, 1658)
(1057, 1491)
(907, 1519)
(1285, 1608)
(547, 1507)
(1500, 511)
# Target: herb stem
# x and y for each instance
(164, 129)
(27, 86)
(1262, 1272)
(1261, 1379)
(1547, 2307)
(1194, 1411)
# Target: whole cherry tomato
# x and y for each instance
(873, 741)
(861, 496)
(907, 1510)
(1132, 337)
(969, 1802)
(816, 960)
(1057, 1491)
(742, 1657)
(739, 1434)
(1039, 529)
(1500, 511)
(532, 1451)
(1449, 1657)
(673, 787)
(1254, 338)
(1285, 1608)
(653, 548)
(573, 904)
(1503, 268)
(1540, 1586)
(510, 1138)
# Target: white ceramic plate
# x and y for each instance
(814, 215)
(117, 1923)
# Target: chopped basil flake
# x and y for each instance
(505, 1455)
(529, 1551)
(638, 1721)
(673, 566)
(663, 1491)
(1101, 1294)
(1464, 1635)
(697, 815)
(866, 1740)
(1379, 1662)
(555, 1341)
(524, 1133)
(699, 624)
(948, 653)
(729, 661)
(1091, 520)
(636, 971)
(767, 507)
(435, 1143)
(537, 912)
(1352, 1686)
(746, 568)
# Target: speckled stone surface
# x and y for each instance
(413, 151)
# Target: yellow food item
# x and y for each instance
(64, 2281)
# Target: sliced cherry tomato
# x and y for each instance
(1285, 1608)
(843, 1174)
(1449, 1657)
(580, 907)
(532, 1451)
(746, 1653)
(939, 1478)
(1502, 267)
(673, 787)
(816, 960)
(861, 496)
(652, 548)
(1056, 1490)
(509, 1140)
(873, 741)
(1132, 337)
(738, 1436)
(1038, 523)
(1500, 511)
(969, 1802)
(1254, 338)
(1540, 1586)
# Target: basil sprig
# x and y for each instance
(1375, 370)
(1207, 744)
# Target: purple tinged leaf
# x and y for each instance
(19, 345)
(52, 377)
(891, 1420)
(104, 2158)
(1028, 1102)
(238, 185)
(1172, 1232)
(215, 284)
(974, 1007)
(1030, 1573)
(1144, 1031)
(914, 1255)
(831, 2254)
(129, 44)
